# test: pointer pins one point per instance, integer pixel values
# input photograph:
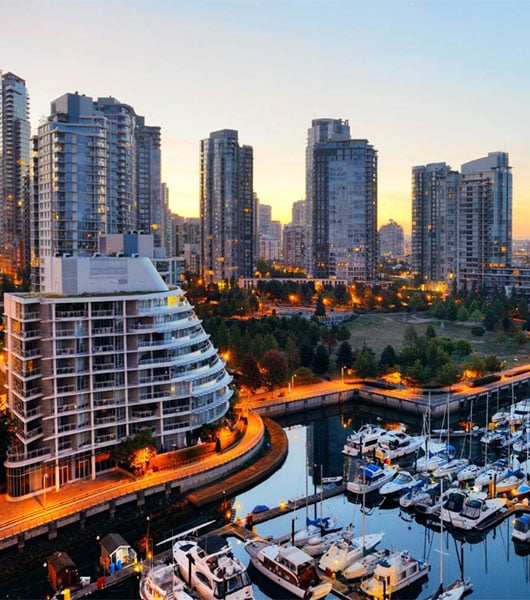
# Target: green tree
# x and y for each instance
(344, 355)
(476, 316)
(321, 360)
(438, 309)
(462, 347)
(417, 302)
(307, 354)
(388, 358)
(492, 364)
(520, 337)
(343, 333)
(135, 452)
(462, 314)
(430, 332)
(365, 364)
(320, 310)
(250, 373)
(448, 374)
(275, 367)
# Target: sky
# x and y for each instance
(423, 81)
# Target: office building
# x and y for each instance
(14, 174)
(228, 208)
(342, 202)
(294, 246)
(107, 351)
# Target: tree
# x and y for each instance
(250, 373)
(448, 374)
(388, 358)
(321, 360)
(344, 355)
(462, 347)
(320, 310)
(416, 302)
(135, 453)
(492, 364)
(462, 314)
(343, 333)
(438, 309)
(307, 354)
(430, 332)
(365, 364)
(275, 368)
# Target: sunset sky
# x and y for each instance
(423, 81)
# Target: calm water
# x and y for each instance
(497, 569)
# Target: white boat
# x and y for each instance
(523, 443)
(494, 437)
(347, 550)
(364, 440)
(510, 483)
(288, 567)
(521, 528)
(496, 471)
(434, 459)
(364, 566)
(454, 591)
(370, 478)
(396, 443)
(432, 501)
(417, 493)
(394, 573)
(402, 482)
(476, 511)
(161, 582)
(453, 504)
(313, 528)
(451, 468)
(319, 544)
(520, 412)
(208, 565)
(470, 473)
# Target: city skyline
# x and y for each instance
(423, 82)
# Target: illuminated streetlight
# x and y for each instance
(342, 373)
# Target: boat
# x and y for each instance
(495, 472)
(402, 482)
(454, 591)
(453, 504)
(475, 512)
(347, 550)
(208, 565)
(289, 567)
(162, 582)
(523, 443)
(521, 528)
(393, 573)
(432, 501)
(319, 544)
(370, 478)
(364, 440)
(520, 412)
(511, 483)
(315, 527)
(470, 473)
(494, 437)
(433, 460)
(417, 493)
(331, 480)
(451, 468)
(365, 565)
(396, 444)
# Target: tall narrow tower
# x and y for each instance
(342, 202)
(14, 171)
(228, 209)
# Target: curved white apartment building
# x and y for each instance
(106, 351)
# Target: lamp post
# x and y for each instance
(342, 373)
(147, 542)
(45, 485)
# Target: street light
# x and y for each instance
(45, 485)
(342, 373)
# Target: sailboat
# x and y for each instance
(459, 587)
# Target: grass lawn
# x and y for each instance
(378, 330)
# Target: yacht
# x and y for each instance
(453, 504)
(470, 473)
(434, 459)
(364, 440)
(495, 472)
(511, 483)
(523, 443)
(396, 443)
(402, 482)
(394, 573)
(161, 582)
(417, 493)
(364, 566)
(319, 544)
(475, 512)
(521, 528)
(289, 567)
(346, 551)
(454, 591)
(313, 528)
(370, 478)
(432, 501)
(207, 564)
(451, 468)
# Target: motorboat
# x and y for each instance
(522, 493)
(521, 528)
(370, 478)
(402, 482)
(432, 501)
(470, 473)
(289, 567)
(315, 527)
(495, 472)
(454, 591)
(364, 440)
(346, 551)
(453, 504)
(520, 412)
(522, 445)
(364, 566)
(475, 512)
(208, 565)
(511, 438)
(451, 468)
(319, 544)
(393, 573)
(495, 437)
(397, 443)
(417, 493)
(162, 582)
(510, 483)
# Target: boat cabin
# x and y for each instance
(300, 564)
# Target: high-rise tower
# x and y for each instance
(342, 202)
(14, 170)
(227, 204)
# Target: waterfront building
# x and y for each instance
(107, 350)
(391, 240)
(341, 191)
(14, 172)
(228, 208)
(98, 171)
(295, 246)
(435, 189)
